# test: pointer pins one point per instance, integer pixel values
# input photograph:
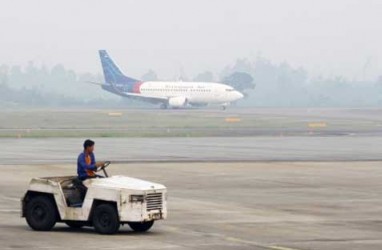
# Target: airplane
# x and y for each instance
(168, 94)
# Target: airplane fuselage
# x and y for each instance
(194, 92)
(168, 94)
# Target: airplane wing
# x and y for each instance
(95, 83)
(137, 96)
(153, 99)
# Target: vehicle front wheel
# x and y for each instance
(141, 226)
(105, 219)
(41, 213)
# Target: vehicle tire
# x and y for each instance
(41, 213)
(75, 224)
(141, 226)
(105, 219)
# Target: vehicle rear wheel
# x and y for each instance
(105, 219)
(75, 224)
(141, 226)
(41, 213)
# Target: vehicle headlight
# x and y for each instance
(137, 198)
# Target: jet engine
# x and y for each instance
(177, 102)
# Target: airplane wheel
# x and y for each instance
(163, 106)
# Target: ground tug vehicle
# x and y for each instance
(106, 204)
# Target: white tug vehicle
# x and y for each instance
(106, 204)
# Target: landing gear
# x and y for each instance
(163, 106)
(225, 105)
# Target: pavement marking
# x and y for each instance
(10, 211)
(254, 243)
(259, 244)
(317, 125)
(3, 197)
(281, 248)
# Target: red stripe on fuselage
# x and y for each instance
(137, 87)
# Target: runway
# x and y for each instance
(250, 206)
(146, 123)
(214, 149)
(287, 187)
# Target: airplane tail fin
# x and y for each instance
(111, 72)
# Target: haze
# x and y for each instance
(327, 38)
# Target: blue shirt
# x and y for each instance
(82, 166)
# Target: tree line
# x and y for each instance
(265, 84)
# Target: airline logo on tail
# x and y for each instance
(115, 77)
(112, 72)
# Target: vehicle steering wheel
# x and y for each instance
(105, 165)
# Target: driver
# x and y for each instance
(86, 164)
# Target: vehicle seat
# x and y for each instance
(75, 193)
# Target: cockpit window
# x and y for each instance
(229, 90)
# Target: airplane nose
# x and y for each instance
(239, 95)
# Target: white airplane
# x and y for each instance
(167, 94)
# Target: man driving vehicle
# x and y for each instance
(86, 164)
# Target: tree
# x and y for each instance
(379, 82)
(3, 74)
(149, 76)
(205, 76)
(240, 81)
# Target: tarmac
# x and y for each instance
(287, 191)
(252, 205)
(213, 149)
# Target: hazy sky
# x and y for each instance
(327, 37)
